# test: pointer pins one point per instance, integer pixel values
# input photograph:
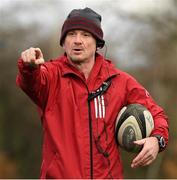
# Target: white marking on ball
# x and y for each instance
(149, 122)
(130, 121)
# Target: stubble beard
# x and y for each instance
(77, 60)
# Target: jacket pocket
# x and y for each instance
(54, 169)
(51, 170)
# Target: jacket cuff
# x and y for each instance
(26, 68)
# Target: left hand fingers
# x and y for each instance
(147, 154)
(138, 159)
(147, 160)
(143, 162)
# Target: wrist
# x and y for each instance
(161, 142)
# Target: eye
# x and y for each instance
(71, 33)
(87, 34)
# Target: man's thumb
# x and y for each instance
(38, 53)
(39, 61)
(140, 142)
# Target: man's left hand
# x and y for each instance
(148, 154)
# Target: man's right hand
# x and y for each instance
(32, 56)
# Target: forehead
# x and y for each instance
(79, 31)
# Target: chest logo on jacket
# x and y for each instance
(99, 105)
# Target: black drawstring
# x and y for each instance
(100, 149)
(101, 90)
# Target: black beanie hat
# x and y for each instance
(84, 19)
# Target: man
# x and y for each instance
(80, 95)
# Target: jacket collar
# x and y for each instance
(102, 70)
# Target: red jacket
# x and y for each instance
(79, 139)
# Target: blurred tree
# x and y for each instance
(149, 41)
(145, 45)
(20, 128)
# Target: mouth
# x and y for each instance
(77, 50)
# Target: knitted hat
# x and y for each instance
(84, 19)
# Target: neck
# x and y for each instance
(85, 67)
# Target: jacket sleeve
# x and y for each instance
(34, 82)
(138, 94)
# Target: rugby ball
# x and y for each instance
(134, 122)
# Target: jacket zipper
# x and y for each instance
(91, 143)
(90, 133)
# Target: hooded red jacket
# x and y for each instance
(79, 139)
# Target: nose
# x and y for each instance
(78, 39)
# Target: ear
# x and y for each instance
(63, 46)
(98, 45)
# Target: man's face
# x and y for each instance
(80, 46)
